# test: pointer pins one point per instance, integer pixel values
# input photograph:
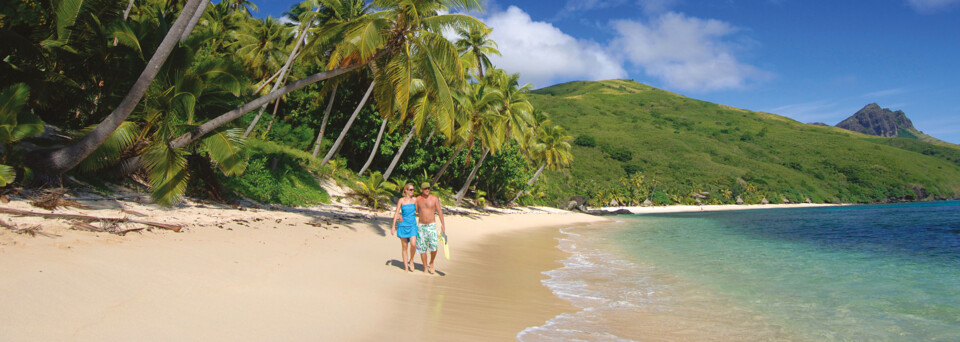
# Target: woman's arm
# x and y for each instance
(396, 215)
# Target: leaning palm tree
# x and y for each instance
(552, 149)
(482, 106)
(476, 103)
(385, 37)
(476, 43)
(421, 52)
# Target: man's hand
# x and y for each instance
(393, 232)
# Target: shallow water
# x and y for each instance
(885, 273)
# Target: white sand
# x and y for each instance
(240, 275)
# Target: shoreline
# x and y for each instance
(714, 207)
(328, 272)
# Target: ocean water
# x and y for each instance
(851, 273)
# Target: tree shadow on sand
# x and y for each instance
(417, 266)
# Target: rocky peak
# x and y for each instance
(878, 121)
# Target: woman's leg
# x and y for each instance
(404, 245)
(413, 251)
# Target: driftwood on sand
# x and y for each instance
(32, 231)
(86, 219)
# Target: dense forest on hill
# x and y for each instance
(634, 142)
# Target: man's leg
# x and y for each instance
(433, 257)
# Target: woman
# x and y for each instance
(406, 229)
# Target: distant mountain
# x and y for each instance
(686, 149)
(883, 122)
(874, 120)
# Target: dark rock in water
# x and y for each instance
(874, 120)
(610, 212)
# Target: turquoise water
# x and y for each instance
(853, 273)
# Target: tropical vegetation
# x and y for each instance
(193, 98)
(635, 143)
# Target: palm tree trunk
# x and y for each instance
(283, 76)
(194, 20)
(126, 13)
(463, 190)
(432, 132)
(336, 144)
(530, 182)
(273, 118)
(396, 158)
(323, 125)
(445, 165)
(479, 68)
(54, 162)
(268, 81)
(383, 126)
(235, 113)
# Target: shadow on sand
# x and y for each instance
(418, 267)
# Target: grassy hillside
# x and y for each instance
(636, 142)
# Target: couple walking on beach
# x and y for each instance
(423, 237)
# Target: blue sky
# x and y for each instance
(808, 60)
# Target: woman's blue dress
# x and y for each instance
(408, 227)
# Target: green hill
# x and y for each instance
(635, 142)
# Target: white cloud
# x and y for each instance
(543, 54)
(932, 6)
(685, 53)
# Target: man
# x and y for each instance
(428, 207)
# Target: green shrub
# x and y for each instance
(660, 198)
(585, 141)
(275, 175)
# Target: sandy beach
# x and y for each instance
(324, 273)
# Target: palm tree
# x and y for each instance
(474, 104)
(551, 149)
(306, 22)
(54, 162)
(481, 107)
(376, 145)
(262, 46)
(516, 109)
(476, 42)
(385, 37)
(323, 124)
(243, 6)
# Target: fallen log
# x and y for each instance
(172, 227)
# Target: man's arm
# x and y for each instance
(443, 227)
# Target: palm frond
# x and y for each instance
(15, 122)
(225, 148)
(7, 175)
(112, 149)
(168, 173)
